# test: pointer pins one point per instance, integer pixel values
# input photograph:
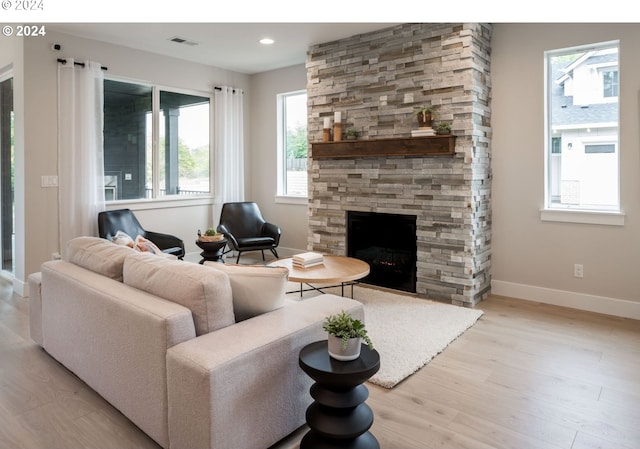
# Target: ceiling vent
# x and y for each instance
(181, 40)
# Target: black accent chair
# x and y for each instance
(246, 229)
(112, 221)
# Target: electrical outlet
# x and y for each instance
(578, 270)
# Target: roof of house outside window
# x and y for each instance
(564, 112)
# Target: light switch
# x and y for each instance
(49, 181)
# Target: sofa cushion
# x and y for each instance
(207, 293)
(98, 255)
(256, 289)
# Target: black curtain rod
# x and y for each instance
(220, 88)
(81, 64)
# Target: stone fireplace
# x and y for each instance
(376, 80)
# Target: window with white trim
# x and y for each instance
(292, 144)
(156, 142)
(582, 146)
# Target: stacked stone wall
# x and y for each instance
(376, 80)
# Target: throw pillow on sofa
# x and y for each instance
(147, 246)
(206, 294)
(139, 244)
(256, 289)
(122, 238)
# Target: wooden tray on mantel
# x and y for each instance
(411, 146)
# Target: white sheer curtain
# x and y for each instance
(80, 149)
(229, 146)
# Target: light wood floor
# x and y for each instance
(526, 375)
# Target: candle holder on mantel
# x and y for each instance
(337, 127)
(337, 132)
(326, 130)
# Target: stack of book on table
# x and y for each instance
(306, 260)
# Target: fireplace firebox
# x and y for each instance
(387, 242)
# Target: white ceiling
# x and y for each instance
(231, 46)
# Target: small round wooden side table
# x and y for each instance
(338, 417)
(212, 250)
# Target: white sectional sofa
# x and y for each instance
(158, 339)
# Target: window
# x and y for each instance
(7, 180)
(292, 144)
(591, 149)
(610, 83)
(156, 142)
(582, 151)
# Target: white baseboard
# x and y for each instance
(21, 288)
(581, 301)
(285, 252)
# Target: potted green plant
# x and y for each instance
(443, 128)
(210, 235)
(425, 115)
(346, 335)
(351, 134)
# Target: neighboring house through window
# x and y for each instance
(582, 147)
(292, 144)
(156, 142)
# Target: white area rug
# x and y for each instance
(408, 332)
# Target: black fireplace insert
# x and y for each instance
(387, 242)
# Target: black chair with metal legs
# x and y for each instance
(246, 229)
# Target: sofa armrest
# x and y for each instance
(241, 386)
(115, 338)
(35, 307)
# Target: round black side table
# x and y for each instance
(212, 250)
(338, 417)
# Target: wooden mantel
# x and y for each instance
(412, 146)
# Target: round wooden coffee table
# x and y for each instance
(337, 271)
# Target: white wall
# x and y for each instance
(533, 259)
(40, 226)
(292, 218)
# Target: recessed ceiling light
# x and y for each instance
(266, 41)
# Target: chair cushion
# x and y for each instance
(98, 255)
(249, 242)
(256, 289)
(207, 293)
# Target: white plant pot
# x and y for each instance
(352, 351)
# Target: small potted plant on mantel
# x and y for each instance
(346, 335)
(443, 128)
(351, 134)
(425, 115)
